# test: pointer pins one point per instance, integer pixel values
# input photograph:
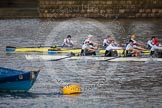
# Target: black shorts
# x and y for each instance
(87, 53)
(111, 53)
(128, 53)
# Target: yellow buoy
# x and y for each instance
(71, 89)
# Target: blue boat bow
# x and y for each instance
(16, 81)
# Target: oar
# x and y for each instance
(55, 46)
(111, 58)
(61, 58)
(71, 55)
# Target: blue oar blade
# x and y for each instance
(52, 52)
(10, 49)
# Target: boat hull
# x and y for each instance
(94, 58)
(16, 81)
(135, 59)
(17, 86)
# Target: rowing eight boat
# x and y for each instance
(94, 58)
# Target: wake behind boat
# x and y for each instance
(94, 58)
(43, 57)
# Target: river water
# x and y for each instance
(104, 84)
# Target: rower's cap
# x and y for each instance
(90, 36)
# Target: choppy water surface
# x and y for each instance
(104, 84)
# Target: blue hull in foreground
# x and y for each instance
(16, 81)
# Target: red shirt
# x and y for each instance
(156, 42)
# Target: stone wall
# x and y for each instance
(80, 8)
(100, 8)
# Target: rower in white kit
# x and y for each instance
(90, 39)
(68, 42)
(132, 51)
(90, 45)
(88, 49)
(111, 49)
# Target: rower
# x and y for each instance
(111, 49)
(131, 50)
(137, 45)
(91, 43)
(153, 45)
(68, 42)
(150, 45)
(89, 38)
(106, 41)
(155, 41)
(88, 49)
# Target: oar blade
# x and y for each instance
(52, 52)
(10, 49)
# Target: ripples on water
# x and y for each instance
(104, 84)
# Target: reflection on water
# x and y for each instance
(104, 84)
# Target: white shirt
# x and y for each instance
(150, 43)
(68, 41)
(105, 42)
(134, 42)
(84, 46)
(128, 47)
(111, 47)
